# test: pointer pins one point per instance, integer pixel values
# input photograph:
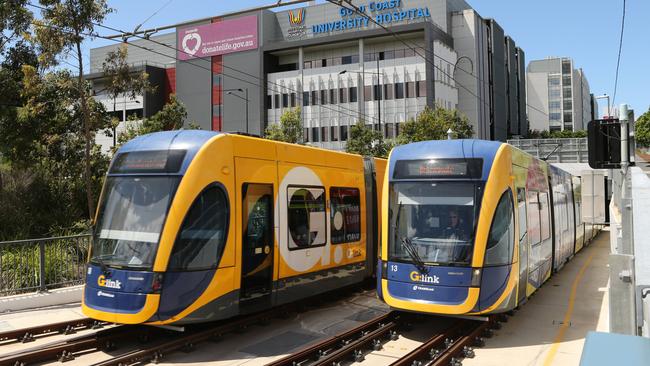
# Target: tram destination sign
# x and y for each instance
(438, 168)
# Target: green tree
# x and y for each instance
(642, 130)
(14, 21)
(366, 141)
(170, 117)
(288, 130)
(433, 124)
(63, 28)
(545, 134)
(121, 80)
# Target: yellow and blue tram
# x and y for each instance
(474, 227)
(196, 226)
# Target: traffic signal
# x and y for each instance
(604, 143)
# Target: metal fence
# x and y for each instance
(41, 264)
(569, 150)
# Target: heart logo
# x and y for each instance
(191, 43)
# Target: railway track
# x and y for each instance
(447, 347)
(26, 335)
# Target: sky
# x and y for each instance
(586, 30)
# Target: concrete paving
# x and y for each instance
(541, 332)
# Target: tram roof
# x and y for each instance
(447, 149)
(189, 140)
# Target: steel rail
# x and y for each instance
(30, 334)
(342, 345)
(450, 346)
(435, 345)
(65, 350)
(188, 341)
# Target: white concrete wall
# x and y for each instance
(537, 99)
(469, 34)
(66, 295)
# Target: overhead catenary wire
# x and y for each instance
(618, 61)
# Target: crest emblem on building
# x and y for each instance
(296, 17)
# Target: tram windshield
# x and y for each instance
(433, 222)
(132, 213)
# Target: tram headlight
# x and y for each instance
(476, 278)
(156, 284)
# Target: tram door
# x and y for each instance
(523, 244)
(257, 231)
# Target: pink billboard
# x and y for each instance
(227, 36)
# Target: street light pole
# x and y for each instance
(245, 98)
(605, 96)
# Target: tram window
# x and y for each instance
(544, 216)
(202, 236)
(345, 215)
(500, 242)
(521, 204)
(533, 218)
(306, 217)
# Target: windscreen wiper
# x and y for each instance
(413, 253)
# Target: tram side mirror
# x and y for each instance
(604, 143)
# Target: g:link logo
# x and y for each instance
(103, 282)
(417, 277)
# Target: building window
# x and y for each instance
(389, 55)
(336, 61)
(344, 133)
(367, 91)
(567, 104)
(332, 96)
(334, 133)
(409, 52)
(388, 91)
(293, 100)
(353, 94)
(554, 105)
(566, 80)
(553, 80)
(314, 97)
(345, 215)
(306, 217)
(305, 134)
(323, 131)
(410, 89)
(314, 134)
(323, 97)
(397, 129)
(285, 100)
(307, 65)
(389, 130)
(269, 102)
(276, 100)
(399, 91)
(421, 88)
(555, 116)
(305, 99)
(376, 92)
(399, 53)
(346, 60)
(566, 67)
(343, 97)
(568, 117)
(370, 57)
